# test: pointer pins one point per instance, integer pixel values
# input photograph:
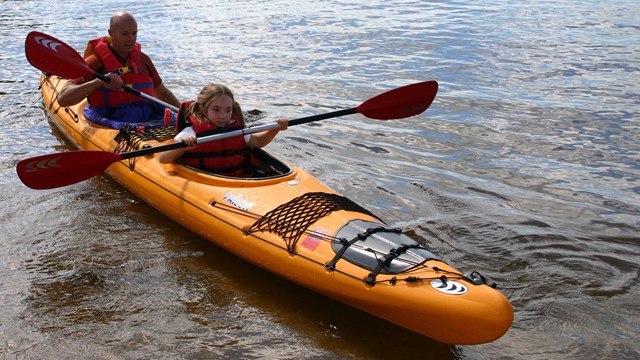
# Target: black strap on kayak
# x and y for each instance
(478, 279)
(331, 265)
(370, 231)
(386, 261)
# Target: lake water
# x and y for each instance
(525, 168)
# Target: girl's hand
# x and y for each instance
(284, 123)
(189, 140)
(187, 135)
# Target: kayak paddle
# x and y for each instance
(53, 56)
(66, 168)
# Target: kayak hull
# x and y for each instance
(291, 224)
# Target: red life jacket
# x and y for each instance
(223, 157)
(131, 74)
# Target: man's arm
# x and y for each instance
(73, 92)
(163, 93)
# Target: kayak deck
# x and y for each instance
(289, 223)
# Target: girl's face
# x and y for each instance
(220, 110)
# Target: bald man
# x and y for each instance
(120, 58)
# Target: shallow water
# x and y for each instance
(525, 168)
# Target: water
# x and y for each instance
(526, 168)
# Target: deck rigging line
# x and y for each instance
(290, 220)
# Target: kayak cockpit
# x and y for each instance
(260, 168)
(258, 165)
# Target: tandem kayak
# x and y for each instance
(284, 220)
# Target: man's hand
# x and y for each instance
(115, 83)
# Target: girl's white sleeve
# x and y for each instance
(188, 131)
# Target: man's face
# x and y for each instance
(123, 36)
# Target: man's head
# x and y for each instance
(123, 30)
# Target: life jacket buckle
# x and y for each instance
(124, 69)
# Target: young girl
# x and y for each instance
(213, 112)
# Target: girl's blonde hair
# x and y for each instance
(209, 93)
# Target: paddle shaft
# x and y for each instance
(136, 92)
(55, 57)
(240, 132)
(61, 169)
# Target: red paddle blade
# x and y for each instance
(400, 103)
(61, 169)
(53, 56)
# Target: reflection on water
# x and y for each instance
(524, 168)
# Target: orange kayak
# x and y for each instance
(286, 221)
